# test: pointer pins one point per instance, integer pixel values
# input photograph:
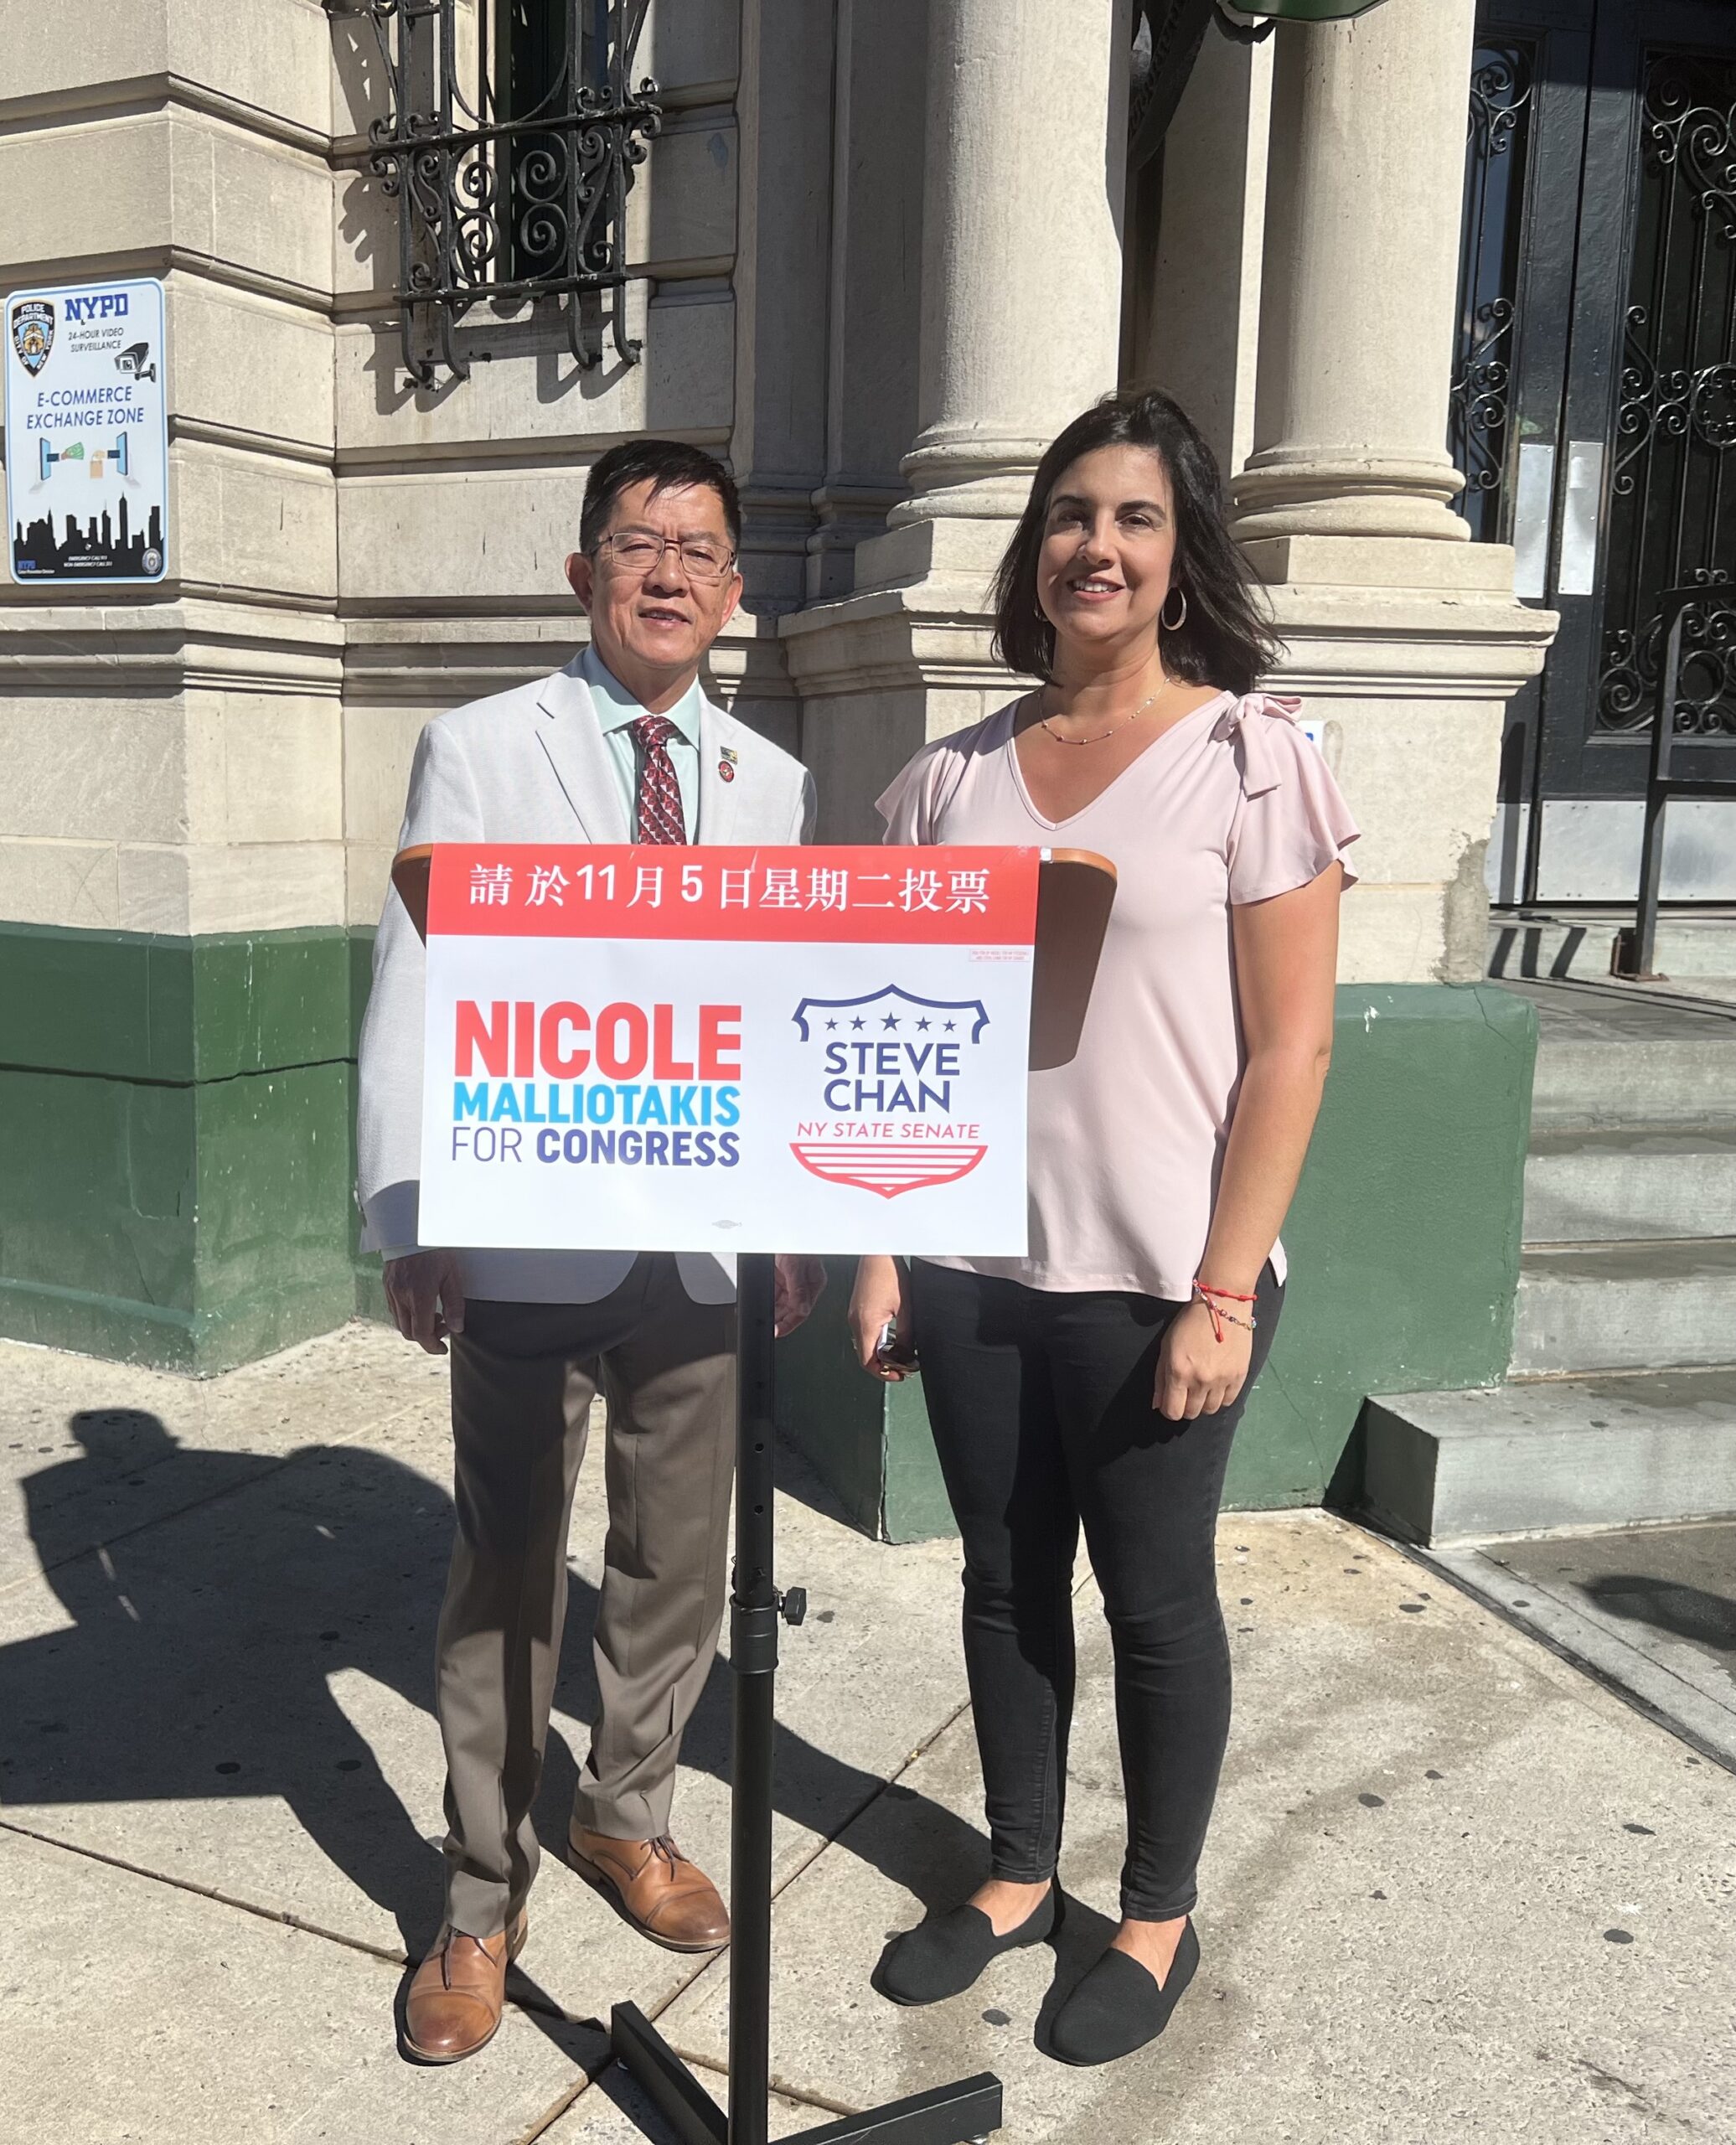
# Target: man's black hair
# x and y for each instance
(671, 466)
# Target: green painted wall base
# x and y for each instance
(1404, 1246)
(869, 1443)
(177, 1150)
(176, 1143)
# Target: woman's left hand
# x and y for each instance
(1196, 1372)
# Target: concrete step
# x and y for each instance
(1579, 943)
(1625, 1306)
(1600, 1452)
(1612, 1057)
(1678, 1082)
(1615, 1185)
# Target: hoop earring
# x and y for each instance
(1173, 625)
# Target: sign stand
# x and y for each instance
(1075, 891)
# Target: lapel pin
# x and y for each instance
(726, 764)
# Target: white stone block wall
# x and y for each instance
(174, 752)
(350, 553)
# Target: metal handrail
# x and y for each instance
(1702, 619)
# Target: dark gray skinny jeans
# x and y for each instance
(1040, 1404)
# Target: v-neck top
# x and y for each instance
(1231, 804)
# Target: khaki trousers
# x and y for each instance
(523, 1376)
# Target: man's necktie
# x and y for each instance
(659, 791)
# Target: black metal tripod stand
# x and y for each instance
(950, 2115)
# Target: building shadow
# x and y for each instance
(197, 1662)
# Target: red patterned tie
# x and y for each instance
(659, 791)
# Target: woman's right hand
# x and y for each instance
(881, 1292)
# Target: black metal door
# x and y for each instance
(1595, 403)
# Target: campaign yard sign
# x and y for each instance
(86, 432)
(727, 1050)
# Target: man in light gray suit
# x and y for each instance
(621, 746)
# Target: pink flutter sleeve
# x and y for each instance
(1293, 820)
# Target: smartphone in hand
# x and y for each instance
(892, 1354)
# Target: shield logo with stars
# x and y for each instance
(893, 1074)
(33, 333)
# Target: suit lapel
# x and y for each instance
(719, 800)
(570, 736)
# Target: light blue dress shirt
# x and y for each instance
(616, 709)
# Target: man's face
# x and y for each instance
(657, 620)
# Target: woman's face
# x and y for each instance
(1109, 547)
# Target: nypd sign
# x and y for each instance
(728, 1050)
(86, 433)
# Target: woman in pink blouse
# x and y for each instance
(1097, 1382)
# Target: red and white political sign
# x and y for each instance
(727, 1050)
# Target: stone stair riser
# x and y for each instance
(1594, 1085)
(1598, 1190)
(1437, 1490)
(1567, 1325)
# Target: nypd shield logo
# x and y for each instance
(33, 333)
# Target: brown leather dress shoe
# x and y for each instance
(455, 2001)
(664, 1895)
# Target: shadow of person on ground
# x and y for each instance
(202, 1645)
(1686, 1612)
(200, 1661)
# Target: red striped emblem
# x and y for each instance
(888, 1167)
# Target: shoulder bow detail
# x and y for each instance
(1263, 762)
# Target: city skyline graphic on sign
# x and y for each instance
(86, 424)
(106, 544)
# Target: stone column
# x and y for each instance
(1404, 639)
(1024, 171)
(1356, 329)
(1021, 243)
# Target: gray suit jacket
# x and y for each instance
(530, 765)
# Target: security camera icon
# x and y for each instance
(135, 361)
(113, 456)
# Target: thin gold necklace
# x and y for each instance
(1102, 734)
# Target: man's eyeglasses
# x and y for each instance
(637, 551)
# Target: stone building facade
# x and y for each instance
(878, 252)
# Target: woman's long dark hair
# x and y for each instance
(1224, 641)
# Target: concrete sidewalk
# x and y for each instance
(1455, 1890)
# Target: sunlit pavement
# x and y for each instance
(1456, 1889)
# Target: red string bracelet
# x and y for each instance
(1203, 1293)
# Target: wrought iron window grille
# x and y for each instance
(512, 132)
(1498, 137)
(1672, 502)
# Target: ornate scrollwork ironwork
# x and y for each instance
(1497, 136)
(507, 196)
(1705, 683)
(1689, 124)
(1501, 95)
(1673, 491)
